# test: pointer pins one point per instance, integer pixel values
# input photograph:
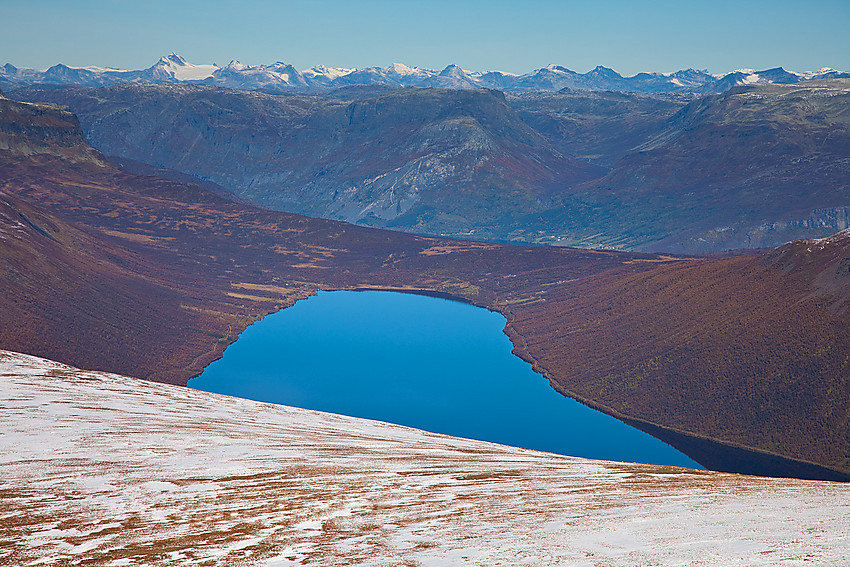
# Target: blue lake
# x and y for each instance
(429, 363)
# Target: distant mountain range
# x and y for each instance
(284, 77)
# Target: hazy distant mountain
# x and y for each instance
(284, 77)
(169, 69)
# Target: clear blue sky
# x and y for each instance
(515, 36)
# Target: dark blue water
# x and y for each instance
(429, 363)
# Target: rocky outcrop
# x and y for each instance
(30, 130)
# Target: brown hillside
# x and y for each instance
(710, 345)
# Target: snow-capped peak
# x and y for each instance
(604, 71)
(452, 70)
(819, 73)
(174, 68)
(96, 69)
(173, 59)
(235, 65)
(403, 70)
(181, 70)
(400, 68)
(281, 67)
(330, 73)
(556, 69)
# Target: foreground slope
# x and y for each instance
(100, 469)
(739, 362)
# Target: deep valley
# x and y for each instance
(740, 361)
(752, 167)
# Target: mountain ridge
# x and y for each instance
(753, 167)
(420, 159)
(281, 76)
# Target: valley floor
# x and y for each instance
(100, 469)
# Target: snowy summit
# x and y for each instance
(320, 78)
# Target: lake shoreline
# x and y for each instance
(713, 454)
(443, 366)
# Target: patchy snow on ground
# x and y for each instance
(100, 469)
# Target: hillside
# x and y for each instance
(600, 127)
(740, 362)
(686, 344)
(254, 260)
(101, 469)
(424, 160)
(753, 167)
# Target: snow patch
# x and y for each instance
(182, 70)
(330, 73)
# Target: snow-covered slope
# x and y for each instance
(237, 75)
(173, 67)
(284, 77)
(100, 469)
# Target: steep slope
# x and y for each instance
(598, 126)
(81, 295)
(704, 336)
(34, 131)
(740, 362)
(754, 167)
(427, 160)
(77, 296)
(100, 469)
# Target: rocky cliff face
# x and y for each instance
(752, 167)
(31, 130)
